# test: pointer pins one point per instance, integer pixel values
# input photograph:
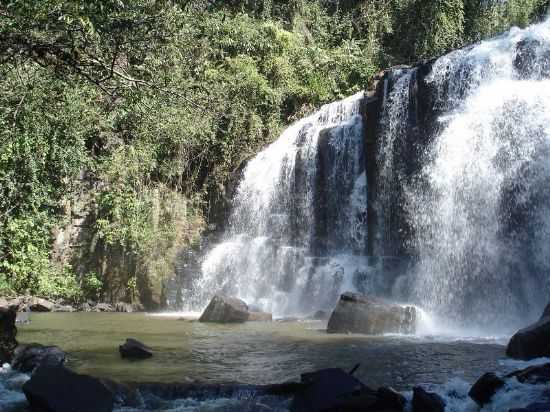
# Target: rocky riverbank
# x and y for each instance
(22, 304)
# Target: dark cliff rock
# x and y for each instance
(532, 341)
(361, 314)
(8, 332)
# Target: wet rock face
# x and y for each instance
(57, 389)
(356, 313)
(223, 309)
(485, 387)
(531, 342)
(8, 332)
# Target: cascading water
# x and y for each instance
(461, 194)
(297, 231)
(479, 208)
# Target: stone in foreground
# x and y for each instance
(26, 358)
(58, 389)
(223, 309)
(357, 313)
(532, 341)
(483, 390)
(134, 349)
(8, 332)
(426, 401)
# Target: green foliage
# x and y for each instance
(124, 116)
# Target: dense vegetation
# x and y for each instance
(122, 121)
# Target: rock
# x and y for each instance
(260, 317)
(19, 303)
(546, 311)
(27, 358)
(537, 374)
(8, 332)
(320, 315)
(325, 390)
(103, 307)
(58, 389)
(63, 308)
(483, 390)
(4, 304)
(390, 400)
(531, 342)
(134, 349)
(426, 402)
(224, 309)
(361, 314)
(40, 305)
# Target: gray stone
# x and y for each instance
(27, 358)
(356, 313)
(223, 309)
(104, 307)
(134, 349)
(40, 305)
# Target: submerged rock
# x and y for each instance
(260, 317)
(356, 313)
(58, 389)
(537, 374)
(134, 349)
(223, 309)
(531, 342)
(423, 401)
(8, 332)
(483, 390)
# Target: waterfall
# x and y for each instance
(297, 230)
(478, 207)
(457, 155)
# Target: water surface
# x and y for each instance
(254, 352)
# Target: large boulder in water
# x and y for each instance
(40, 305)
(532, 341)
(26, 358)
(58, 389)
(356, 313)
(424, 401)
(8, 332)
(224, 309)
(483, 390)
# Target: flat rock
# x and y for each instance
(423, 401)
(104, 307)
(483, 390)
(223, 309)
(27, 358)
(134, 349)
(58, 389)
(357, 313)
(531, 342)
(63, 308)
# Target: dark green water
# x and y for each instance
(257, 353)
